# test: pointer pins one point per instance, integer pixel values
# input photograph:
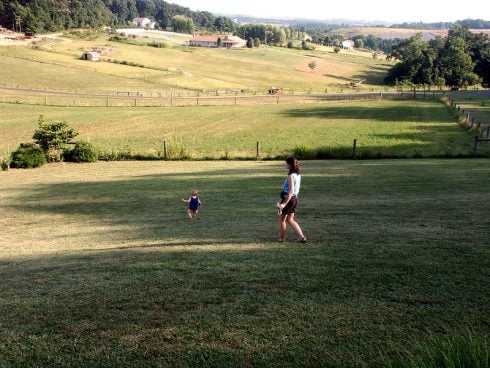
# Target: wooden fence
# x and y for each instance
(473, 121)
(129, 100)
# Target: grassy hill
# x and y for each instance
(57, 65)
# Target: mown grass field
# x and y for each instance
(100, 267)
(382, 129)
(178, 67)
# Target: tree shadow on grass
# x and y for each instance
(396, 113)
(374, 76)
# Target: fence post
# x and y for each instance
(258, 150)
(164, 150)
(354, 146)
(475, 145)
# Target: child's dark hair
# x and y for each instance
(293, 164)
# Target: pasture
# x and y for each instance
(56, 65)
(382, 129)
(100, 267)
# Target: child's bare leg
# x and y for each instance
(189, 213)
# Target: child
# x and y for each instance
(194, 203)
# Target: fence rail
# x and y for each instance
(53, 98)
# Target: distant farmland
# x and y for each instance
(392, 33)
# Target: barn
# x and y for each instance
(91, 56)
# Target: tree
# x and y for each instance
(359, 43)
(224, 25)
(312, 65)
(415, 61)
(256, 42)
(250, 43)
(457, 66)
(183, 24)
(53, 137)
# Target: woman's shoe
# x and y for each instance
(303, 240)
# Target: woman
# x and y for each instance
(289, 196)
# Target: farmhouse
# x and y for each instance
(212, 41)
(143, 23)
(91, 56)
(348, 44)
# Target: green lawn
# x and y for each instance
(382, 128)
(100, 267)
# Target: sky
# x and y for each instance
(370, 10)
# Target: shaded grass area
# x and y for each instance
(101, 267)
(397, 129)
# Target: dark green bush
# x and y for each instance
(82, 152)
(27, 156)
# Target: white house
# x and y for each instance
(143, 23)
(348, 44)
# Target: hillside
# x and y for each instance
(393, 33)
(56, 65)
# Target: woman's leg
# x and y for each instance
(282, 227)
(297, 229)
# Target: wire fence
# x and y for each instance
(129, 99)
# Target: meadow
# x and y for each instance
(382, 129)
(56, 65)
(101, 268)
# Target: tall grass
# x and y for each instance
(461, 349)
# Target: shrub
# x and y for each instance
(5, 164)
(82, 152)
(53, 137)
(28, 156)
(158, 45)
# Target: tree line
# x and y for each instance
(54, 15)
(470, 23)
(458, 60)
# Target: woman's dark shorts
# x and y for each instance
(290, 207)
